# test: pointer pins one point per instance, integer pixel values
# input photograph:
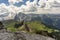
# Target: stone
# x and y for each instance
(5, 35)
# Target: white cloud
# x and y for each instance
(14, 1)
(58, 1)
(8, 9)
(3, 8)
(51, 0)
(29, 7)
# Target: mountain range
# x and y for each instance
(51, 20)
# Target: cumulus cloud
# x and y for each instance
(14, 1)
(47, 4)
(8, 9)
(3, 8)
(29, 7)
(58, 1)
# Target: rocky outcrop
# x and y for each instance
(4, 35)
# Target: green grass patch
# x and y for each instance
(35, 26)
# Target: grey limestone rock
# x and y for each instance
(22, 36)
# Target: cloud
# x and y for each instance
(48, 4)
(29, 7)
(8, 9)
(14, 1)
(3, 8)
(58, 1)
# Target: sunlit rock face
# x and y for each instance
(21, 16)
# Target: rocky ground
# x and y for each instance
(5, 35)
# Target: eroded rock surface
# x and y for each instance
(4, 35)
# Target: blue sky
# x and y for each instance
(27, 5)
(16, 4)
(4, 1)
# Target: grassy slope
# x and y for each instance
(35, 26)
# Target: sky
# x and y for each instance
(19, 3)
(15, 6)
(7, 3)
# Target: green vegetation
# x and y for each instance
(10, 26)
(35, 26)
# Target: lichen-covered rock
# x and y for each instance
(26, 36)
(22, 36)
(7, 36)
